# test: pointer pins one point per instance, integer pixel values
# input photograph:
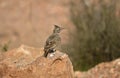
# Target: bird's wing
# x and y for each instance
(52, 41)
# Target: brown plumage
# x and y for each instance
(53, 41)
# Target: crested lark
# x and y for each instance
(53, 41)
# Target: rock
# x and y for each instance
(102, 70)
(28, 62)
(77, 74)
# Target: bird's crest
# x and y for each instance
(57, 29)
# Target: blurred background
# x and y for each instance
(30, 22)
(92, 27)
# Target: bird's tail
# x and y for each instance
(45, 53)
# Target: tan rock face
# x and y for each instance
(28, 62)
(102, 70)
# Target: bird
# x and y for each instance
(53, 41)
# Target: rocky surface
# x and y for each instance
(103, 70)
(28, 62)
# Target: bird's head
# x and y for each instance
(57, 29)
